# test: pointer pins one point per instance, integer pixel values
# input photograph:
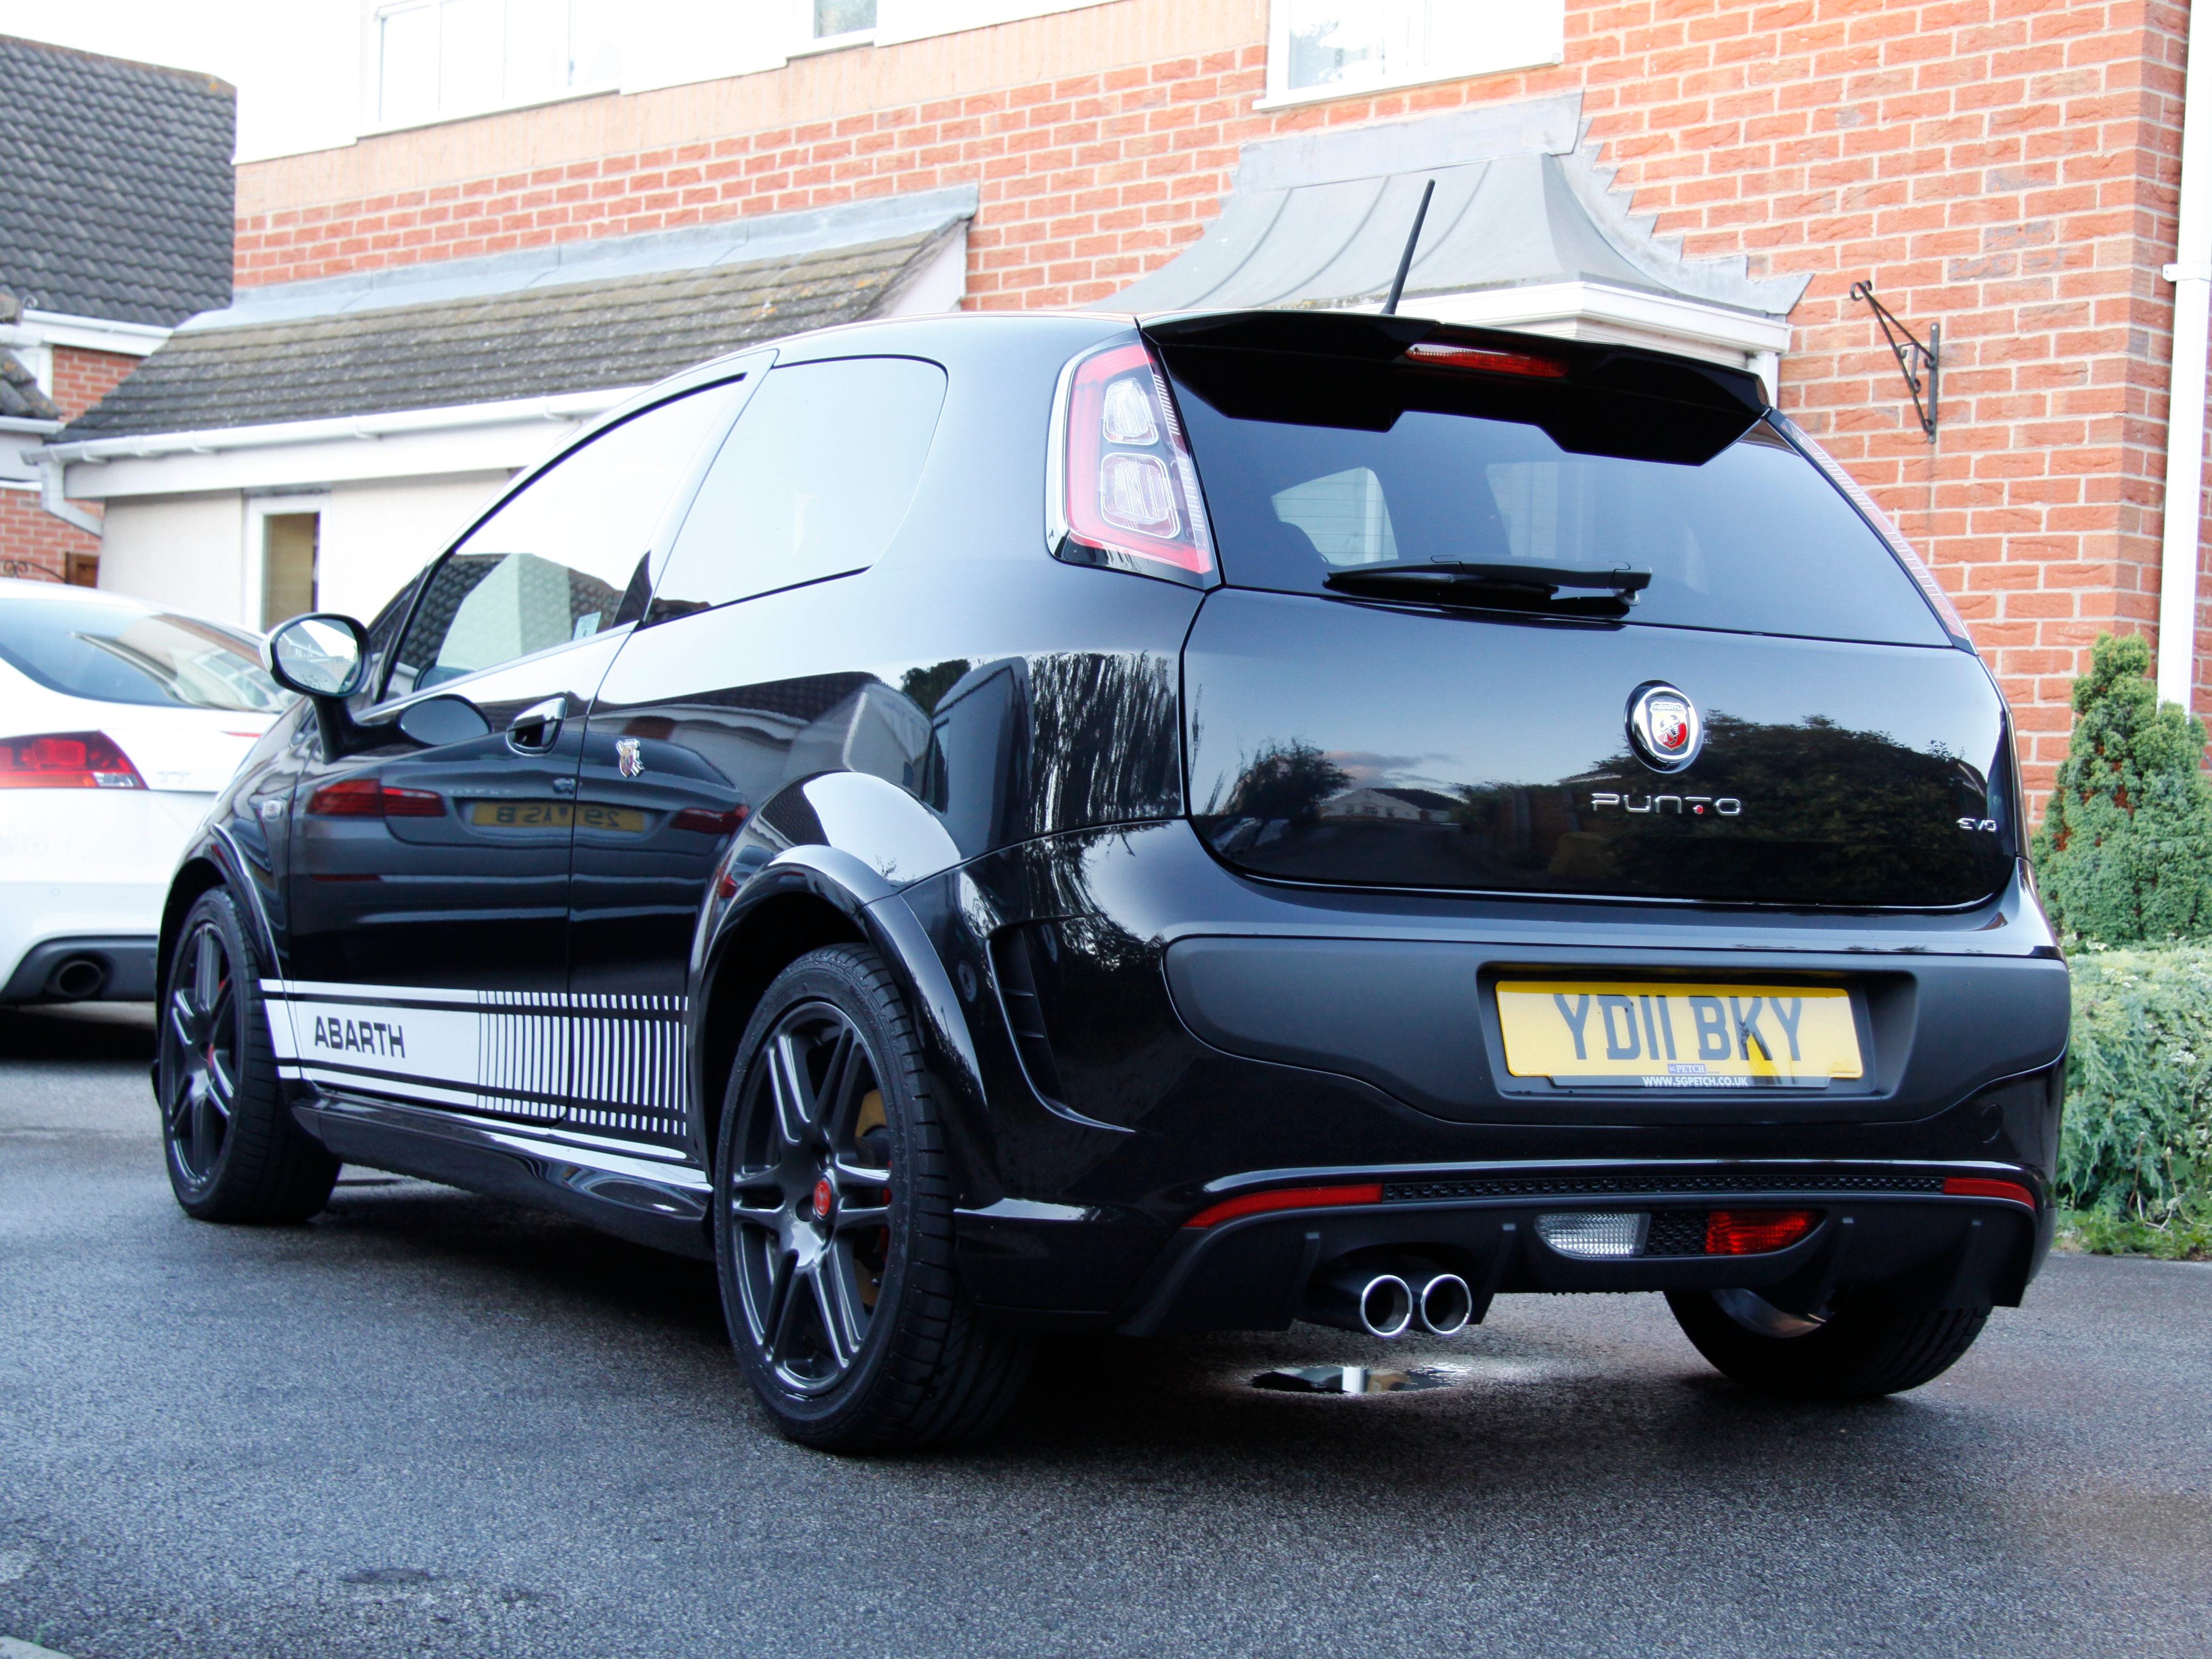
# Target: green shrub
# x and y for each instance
(2136, 1150)
(2124, 854)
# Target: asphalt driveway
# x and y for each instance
(428, 1422)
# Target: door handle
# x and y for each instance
(537, 728)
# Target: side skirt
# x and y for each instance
(659, 1202)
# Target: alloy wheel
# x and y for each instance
(200, 1057)
(810, 1196)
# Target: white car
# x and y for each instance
(119, 721)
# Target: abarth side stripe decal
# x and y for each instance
(613, 1063)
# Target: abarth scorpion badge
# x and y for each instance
(627, 759)
(1664, 727)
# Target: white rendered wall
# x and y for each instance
(376, 536)
(180, 551)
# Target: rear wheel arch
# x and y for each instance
(771, 936)
(195, 877)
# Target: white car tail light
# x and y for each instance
(1594, 1236)
(1124, 491)
(66, 760)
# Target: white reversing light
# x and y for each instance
(1126, 416)
(1594, 1236)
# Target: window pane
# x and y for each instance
(469, 54)
(407, 67)
(538, 54)
(843, 16)
(118, 654)
(1753, 540)
(814, 481)
(552, 564)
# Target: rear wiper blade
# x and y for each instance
(1497, 586)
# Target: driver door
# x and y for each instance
(428, 885)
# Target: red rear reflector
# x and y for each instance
(368, 797)
(1754, 1232)
(66, 760)
(1440, 353)
(1974, 1187)
(1285, 1198)
(707, 822)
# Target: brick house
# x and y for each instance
(2006, 168)
(115, 206)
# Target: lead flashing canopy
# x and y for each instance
(1319, 221)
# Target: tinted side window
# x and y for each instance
(552, 563)
(812, 482)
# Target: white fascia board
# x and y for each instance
(58, 328)
(406, 444)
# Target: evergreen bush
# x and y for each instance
(2124, 854)
(2137, 1148)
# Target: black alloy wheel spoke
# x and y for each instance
(201, 1039)
(806, 1204)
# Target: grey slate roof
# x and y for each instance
(115, 184)
(1320, 221)
(525, 342)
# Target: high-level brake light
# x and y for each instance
(1129, 491)
(66, 760)
(1442, 354)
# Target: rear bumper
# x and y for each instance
(103, 968)
(1890, 1227)
(1355, 1033)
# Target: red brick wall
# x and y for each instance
(33, 543)
(2004, 166)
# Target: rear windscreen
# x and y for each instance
(1753, 539)
(117, 653)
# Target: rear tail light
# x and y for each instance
(1441, 354)
(66, 760)
(1754, 1232)
(370, 798)
(1125, 489)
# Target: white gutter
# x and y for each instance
(2192, 277)
(570, 406)
(60, 328)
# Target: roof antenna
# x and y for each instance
(1406, 259)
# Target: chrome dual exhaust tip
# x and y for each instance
(1360, 1300)
(1387, 1304)
(1445, 1304)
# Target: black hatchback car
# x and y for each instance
(1000, 825)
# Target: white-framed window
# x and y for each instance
(838, 23)
(436, 60)
(1320, 49)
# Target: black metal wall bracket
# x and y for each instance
(1912, 357)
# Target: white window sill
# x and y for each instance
(1273, 100)
(446, 118)
(833, 43)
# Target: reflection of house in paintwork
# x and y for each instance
(1405, 805)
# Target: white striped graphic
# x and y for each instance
(613, 1063)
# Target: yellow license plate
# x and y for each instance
(1678, 1036)
(555, 815)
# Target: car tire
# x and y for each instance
(1867, 1346)
(232, 1151)
(834, 1225)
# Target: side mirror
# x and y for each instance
(436, 721)
(320, 655)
